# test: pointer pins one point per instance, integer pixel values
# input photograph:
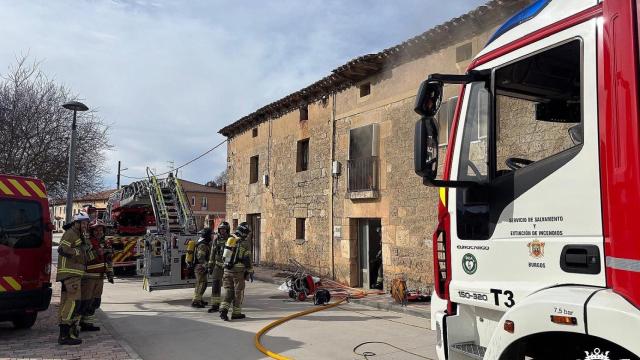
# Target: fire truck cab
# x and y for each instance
(25, 250)
(536, 254)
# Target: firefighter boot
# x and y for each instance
(237, 316)
(214, 308)
(197, 304)
(88, 327)
(223, 315)
(65, 336)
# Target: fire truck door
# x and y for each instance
(529, 138)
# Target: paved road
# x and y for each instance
(54, 250)
(162, 325)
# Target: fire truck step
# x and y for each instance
(470, 349)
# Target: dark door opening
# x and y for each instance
(370, 253)
(254, 224)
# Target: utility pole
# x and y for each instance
(118, 186)
(71, 179)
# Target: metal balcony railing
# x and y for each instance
(363, 174)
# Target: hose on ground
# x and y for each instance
(273, 324)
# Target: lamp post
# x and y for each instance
(75, 106)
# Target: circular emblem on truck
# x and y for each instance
(469, 264)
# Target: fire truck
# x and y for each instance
(536, 253)
(25, 250)
(157, 213)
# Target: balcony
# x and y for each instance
(362, 178)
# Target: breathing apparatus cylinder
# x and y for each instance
(230, 253)
(191, 247)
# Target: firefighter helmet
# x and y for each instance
(205, 233)
(81, 216)
(224, 225)
(243, 230)
(97, 223)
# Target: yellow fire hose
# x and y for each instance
(273, 324)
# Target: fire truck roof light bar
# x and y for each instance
(521, 17)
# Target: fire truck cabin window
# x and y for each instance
(538, 107)
(20, 224)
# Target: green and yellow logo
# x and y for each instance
(469, 264)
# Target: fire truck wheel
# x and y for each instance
(25, 320)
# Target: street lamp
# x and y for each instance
(75, 106)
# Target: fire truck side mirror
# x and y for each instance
(429, 98)
(425, 149)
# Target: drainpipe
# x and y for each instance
(331, 188)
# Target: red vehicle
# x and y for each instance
(129, 227)
(25, 250)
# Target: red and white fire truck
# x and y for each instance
(536, 253)
(25, 250)
(129, 225)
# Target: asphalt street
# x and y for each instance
(162, 325)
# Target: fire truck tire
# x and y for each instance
(24, 320)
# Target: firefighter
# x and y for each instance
(237, 269)
(98, 266)
(201, 261)
(216, 264)
(72, 263)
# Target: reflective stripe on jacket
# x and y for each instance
(72, 259)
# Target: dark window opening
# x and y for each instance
(254, 132)
(20, 224)
(365, 89)
(300, 231)
(363, 159)
(464, 52)
(253, 172)
(304, 113)
(235, 224)
(303, 155)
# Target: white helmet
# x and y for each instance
(81, 216)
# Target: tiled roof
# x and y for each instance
(360, 68)
(189, 186)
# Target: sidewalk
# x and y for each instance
(41, 341)
(382, 302)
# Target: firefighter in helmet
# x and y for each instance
(216, 264)
(237, 269)
(201, 260)
(98, 266)
(72, 261)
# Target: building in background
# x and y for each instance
(207, 202)
(59, 206)
(325, 175)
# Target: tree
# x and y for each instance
(35, 132)
(221, 178)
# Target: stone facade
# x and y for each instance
(406, 209)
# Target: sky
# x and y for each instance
(167, 75)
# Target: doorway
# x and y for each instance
(370, 253)
(254, 242)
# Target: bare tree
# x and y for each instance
(221, 178)
(35, 131)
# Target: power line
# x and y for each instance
(181, 166)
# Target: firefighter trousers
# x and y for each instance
(233, 283)
(216, 285)
(91, 295)
(201, 283)
(70, 304)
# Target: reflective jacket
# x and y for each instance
(99, 265)
(202, 252)
(217, 248)
(72, 258)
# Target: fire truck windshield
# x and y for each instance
(20, 224)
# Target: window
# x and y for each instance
(235, 224)
(363, 158)
(365, 89)
(254, 132)
(538, 107)
(204, 202)
(300, 231)
(464, 52)
(193, 201)
(474, 155)
(304, 113)
(445, 118)
(20, 224)
(303, 155)
(253, 171)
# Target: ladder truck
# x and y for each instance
(536, 253)
(168, 227)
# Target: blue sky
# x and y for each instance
(167, 75)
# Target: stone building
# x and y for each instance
(325, 175)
